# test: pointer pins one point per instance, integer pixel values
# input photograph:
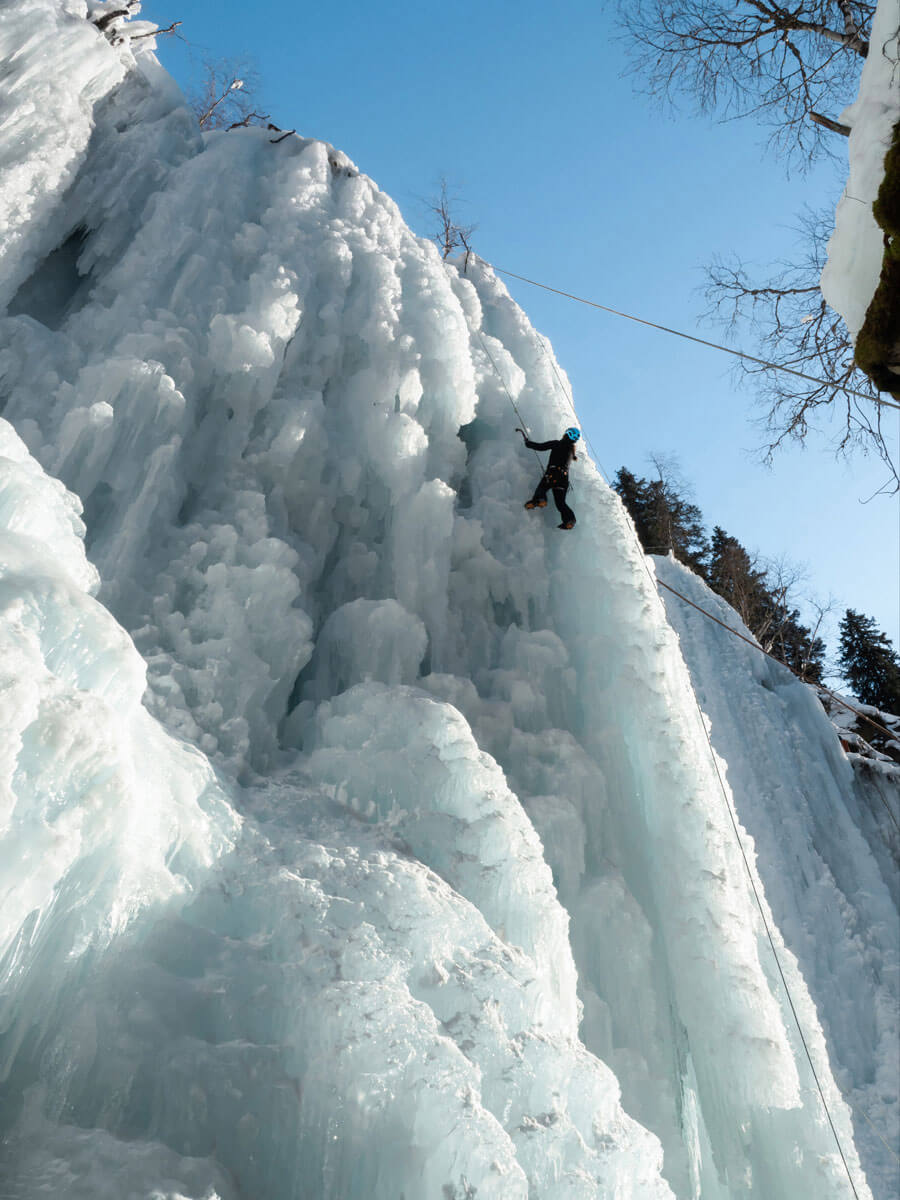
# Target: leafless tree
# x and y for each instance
(782, 579)
(173, 28)
(777, 626)
(793, 63)
(737, 576)
(820, 613)
(449, 234)
(224, 99)
(796, 329)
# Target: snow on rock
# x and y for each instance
(856, 248)
(482, 926)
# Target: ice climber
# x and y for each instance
(556, 476)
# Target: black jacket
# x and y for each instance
(561, 453)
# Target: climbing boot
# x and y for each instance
(535, 503)
(566, 525)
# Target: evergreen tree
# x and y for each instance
(732, 575)
(763, 607)
(796, 646)
(664, 519)
(869, 662)
(632, 491)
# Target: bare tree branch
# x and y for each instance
(796, 328)
(449, 235)
(781, 60)
(828, 123)
(225, 97)
(251, 118)
(155, 32)
(853, 28)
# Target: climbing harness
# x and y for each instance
(556, 477)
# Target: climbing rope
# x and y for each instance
(509, 393)
(740, 841)
(732, 816)
(728, 350)
(787, 991)
(750, 641)
(821, 686)
(701, 341)
(880, 1137)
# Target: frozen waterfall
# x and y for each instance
(361, 836)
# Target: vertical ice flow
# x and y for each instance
(413, 875)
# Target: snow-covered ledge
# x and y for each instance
(856, 248)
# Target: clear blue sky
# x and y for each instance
(577, 181)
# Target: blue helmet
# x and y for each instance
(573, 433)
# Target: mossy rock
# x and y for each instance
(879, 339)
(878, 342)
(886, 209)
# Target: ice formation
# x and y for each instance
(413, 874)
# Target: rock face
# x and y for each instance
(861, 279)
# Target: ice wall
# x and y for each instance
(438, 763)
(104, 819)
(827, 853)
